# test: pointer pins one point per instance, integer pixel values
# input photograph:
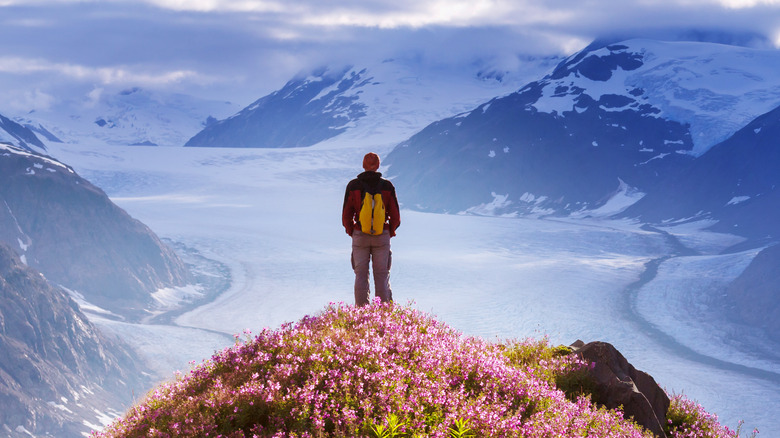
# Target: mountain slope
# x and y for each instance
(736, 182)
(753, 295)
(381, 103)
(69, 230)
(134, 116)
(17, 135)
(302, 113)
(56, 371)
(609, 123)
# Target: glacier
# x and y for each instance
(494, 277)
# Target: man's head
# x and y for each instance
(371, 162)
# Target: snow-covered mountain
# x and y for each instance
(15, 134)
(378, 104)
(134, 116)
(736, 182)
(607, 126)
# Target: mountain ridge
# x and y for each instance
(373, 103)
(57, 371)
(67, 228)
(607, 117)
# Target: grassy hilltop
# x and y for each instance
(388, 371)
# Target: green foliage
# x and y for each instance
(391, 430)
(688, 419)
(553, 364)
(460, 429)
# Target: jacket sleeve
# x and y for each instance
(348, 210)
(393, 212)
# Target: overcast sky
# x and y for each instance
(239, 50)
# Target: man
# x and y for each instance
(367, 246)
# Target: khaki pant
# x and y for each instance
(376, 249)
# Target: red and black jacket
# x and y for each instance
(353, 200)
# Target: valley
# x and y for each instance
(566, 279)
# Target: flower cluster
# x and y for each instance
(688, 419)
(347, 370)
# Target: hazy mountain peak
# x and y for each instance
(377, 103)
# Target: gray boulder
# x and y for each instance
(620, 385)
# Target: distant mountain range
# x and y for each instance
(663, 132)
(131, 117)
(375, 104)
(615, 122)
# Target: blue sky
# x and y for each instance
(239, 50)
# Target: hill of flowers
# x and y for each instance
(386, 370)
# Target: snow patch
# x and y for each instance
(18, 151)
(657, 157)
(737, 199)
(86, 306)
(170, 298)
(625, 197)
(499, 202)
(695, 235)
(104, 418)
(59, 406)
(21, 429)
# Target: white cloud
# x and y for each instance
(104, 75)
(27, 100)
(739, 4)
(38, 100)
(93, 97)
(220, 5)
(242, 49)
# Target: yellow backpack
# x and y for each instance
(372, 213)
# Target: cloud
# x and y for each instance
(35, 100)
(243, 49)
(102, 75)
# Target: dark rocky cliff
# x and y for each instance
(56, 370)
(68, 229)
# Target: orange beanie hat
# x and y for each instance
(371, 161)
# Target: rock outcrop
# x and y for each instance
(620, 385)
